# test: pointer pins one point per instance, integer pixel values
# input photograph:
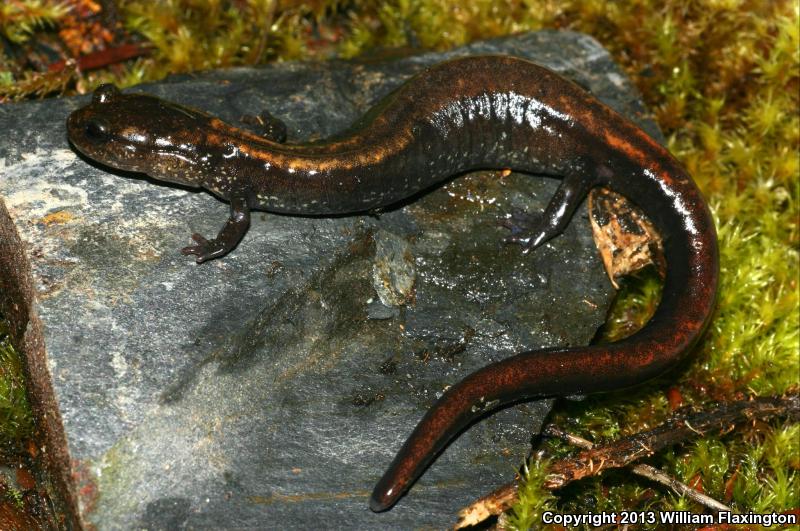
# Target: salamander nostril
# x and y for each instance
(96, 130)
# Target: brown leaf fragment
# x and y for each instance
(626, 239)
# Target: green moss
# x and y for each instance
(635, 303)
(19, 20)
(202, 34)
(16, 419)
(534, 500)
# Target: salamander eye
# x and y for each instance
(105, 93)
(96, 131)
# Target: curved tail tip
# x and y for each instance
(382, 500)
(377, 506)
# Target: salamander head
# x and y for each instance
(141, 133)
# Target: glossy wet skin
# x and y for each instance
(137, 133)
(469, 113)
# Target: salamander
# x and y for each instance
(470, 113)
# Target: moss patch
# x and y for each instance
(16, 422)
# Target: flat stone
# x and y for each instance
(273, 386)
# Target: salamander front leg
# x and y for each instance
(227, 239)
(269, 126)
(532, 230)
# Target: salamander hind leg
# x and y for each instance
(532, 230)
(228, 238)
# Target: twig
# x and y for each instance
(102, 58)
(496, 502)
(684, 425)
(646, 471)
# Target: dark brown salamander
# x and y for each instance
(465, 114)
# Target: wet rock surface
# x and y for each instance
(273, 386)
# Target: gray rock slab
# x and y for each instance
(272, 387)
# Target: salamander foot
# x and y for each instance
(526, 228)
(204, 249)
(552, 222)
